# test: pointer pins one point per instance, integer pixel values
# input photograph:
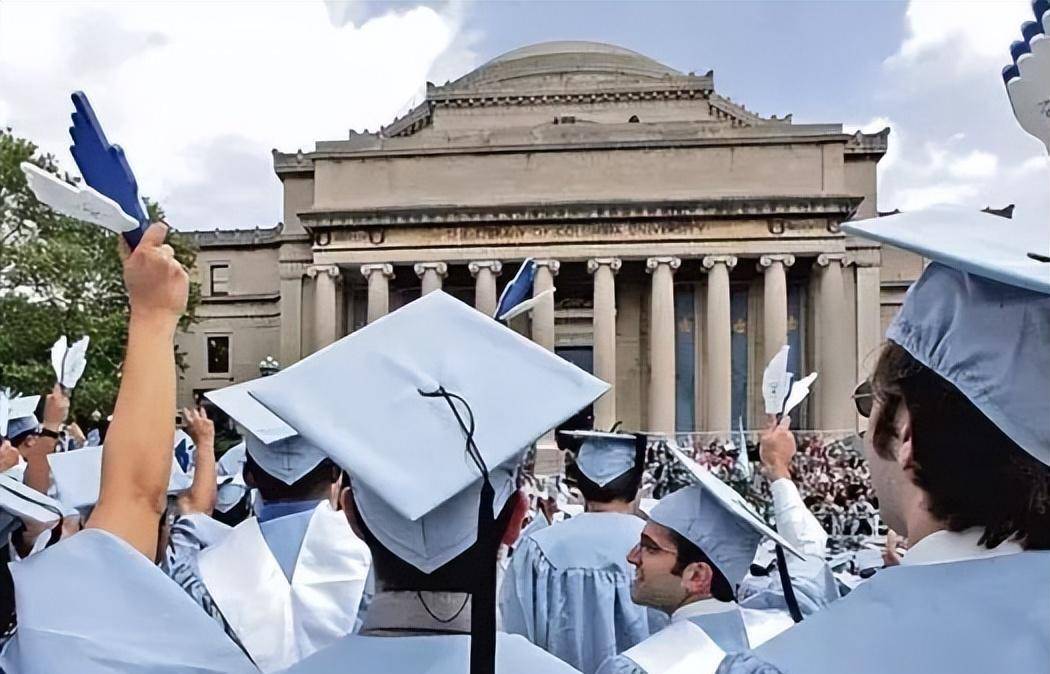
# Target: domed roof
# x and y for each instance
(549, 58)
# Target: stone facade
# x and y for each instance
(686, 237)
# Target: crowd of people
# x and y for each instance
(389, 526)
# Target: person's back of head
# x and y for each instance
(970, 472)
(315, 484)
(606, 467)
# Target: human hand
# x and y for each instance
(776, 449)
(74, 431)
(9, 456)
(890, 556)
(199, 427)
(157, 284)
(56, 409)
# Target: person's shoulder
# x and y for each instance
(590, 540)
(516, 653)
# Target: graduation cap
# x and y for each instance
(430, 409)
(28, 504)
(603, 457)
(979, 315)
(272, 444)
(17, 415)
(721, 522)
(77, 476)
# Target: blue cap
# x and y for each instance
(979, 316)
(603, 457)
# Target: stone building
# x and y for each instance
(687, 237)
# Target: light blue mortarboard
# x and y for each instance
(26, 503)
(271, 443)
(362, 400)
(717, 520)
(20, 416)
(603, 457)
(78, 475)
(979, 315)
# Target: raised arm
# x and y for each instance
(793, 519)
(200, 497)
(38, 470)
(137, 453)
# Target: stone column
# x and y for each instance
(719, 348)
(485, 273)
(291, 312)
(543, 313)
(836, 372)
(378, 276)
(774, 302)
(326, 309)
(604, 270)
(661, 344)
(431, 274)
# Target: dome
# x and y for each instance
(568, 57)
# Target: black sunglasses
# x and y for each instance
(864, 398)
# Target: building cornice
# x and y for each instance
(838, 207)
(873, 144)
(236, 238)
(254, 298)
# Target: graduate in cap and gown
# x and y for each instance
(958, 442)
(568, 586)
(287, 581)
(690, 560)
(432, 433)
(96, 601)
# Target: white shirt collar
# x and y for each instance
(955, 546)
(702, 607)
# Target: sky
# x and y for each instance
(199, 93)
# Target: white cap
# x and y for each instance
(78, 474)
(603, 457)
(271, 443)
(361, 400)
(17, 414)
(979, 316)
(27, 503)
(716, 519)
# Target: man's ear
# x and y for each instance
(346, 502)
(696, 579)
(905, 455)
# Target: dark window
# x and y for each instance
(218, 354)
(220, 279)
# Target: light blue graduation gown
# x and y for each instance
(979, 615)
(725, 628)
(92, 604)
(439, 654)
(568, 589)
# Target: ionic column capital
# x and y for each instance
(710, 261)
(613, 263)
(495, 266)
(767, 261)
(552, 265)
(422, 268)
(313, 271)
(825, 259)
(385, 269)
(653, 263)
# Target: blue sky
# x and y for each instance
(198, 93)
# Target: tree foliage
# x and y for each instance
(61, 276)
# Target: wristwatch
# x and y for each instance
(48, 433)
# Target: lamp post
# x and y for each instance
(269, 366)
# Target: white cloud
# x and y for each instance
(954, 132)
(976, 164)
(198, 93)
(962, 34)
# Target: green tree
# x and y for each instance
(61, 276)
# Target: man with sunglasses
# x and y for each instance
(958, 445)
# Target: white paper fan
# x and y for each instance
(69, 362)
(776, 381)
